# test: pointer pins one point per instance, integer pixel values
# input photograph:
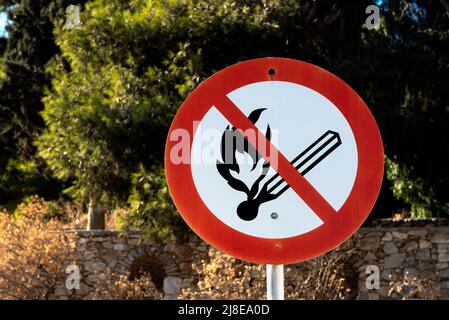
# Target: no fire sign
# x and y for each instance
(274, 161)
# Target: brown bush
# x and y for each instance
(224, 277)
(33, 253)
(413, 287)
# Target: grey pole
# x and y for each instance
(275, 282)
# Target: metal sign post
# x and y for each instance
(275, 282)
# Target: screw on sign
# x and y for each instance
(274, 161)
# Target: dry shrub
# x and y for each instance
(324, 278)
(224, 277)
(33, 253)
(119, 287)
(412, 287)
(71, 215)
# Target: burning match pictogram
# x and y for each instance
(276, 185)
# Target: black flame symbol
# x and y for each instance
(232, 142)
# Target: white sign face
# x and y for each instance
(307, 128)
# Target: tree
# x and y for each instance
(411, 54)
(107, 112)
(122, 75)
(29, 47)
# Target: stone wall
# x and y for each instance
(411, 256)
(404, 254)
(97, 253)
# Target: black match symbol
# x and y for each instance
(232, 141)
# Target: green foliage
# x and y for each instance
(115, 83)
(414, 191)
(108, 111)
(126, 70)
(122, 76)
(407, 68)
(23, 78)
(151, 209)
(19, 176)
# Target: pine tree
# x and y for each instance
(30, 46)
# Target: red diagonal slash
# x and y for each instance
(285, 169)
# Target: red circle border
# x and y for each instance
(298, 248)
